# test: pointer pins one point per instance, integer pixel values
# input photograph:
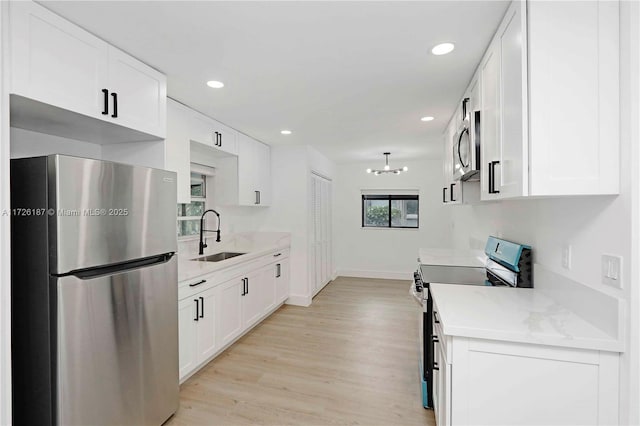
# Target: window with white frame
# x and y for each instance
(189, 214)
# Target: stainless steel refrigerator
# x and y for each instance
(94, 292)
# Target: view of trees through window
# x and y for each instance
(390, 211)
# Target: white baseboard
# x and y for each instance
(385, 275)
(298, 300)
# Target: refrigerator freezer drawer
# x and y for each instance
(117, 347)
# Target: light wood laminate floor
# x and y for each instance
(349, 358)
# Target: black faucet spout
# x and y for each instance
(202, 245)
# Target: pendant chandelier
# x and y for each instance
(386, 168)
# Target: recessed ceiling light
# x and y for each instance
(285, 132)
(443, 48)
(428, 118)
(215, 84)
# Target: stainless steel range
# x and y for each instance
(503, 263)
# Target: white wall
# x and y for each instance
(291, 168)
(5, 249)
(387, 253)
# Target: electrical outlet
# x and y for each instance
(612, 270)
(566, 257)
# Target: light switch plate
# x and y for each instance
(612, 270)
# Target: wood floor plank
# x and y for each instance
(351, 358)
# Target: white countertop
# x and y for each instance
(516, 315)
(253, 245)
(452, 257)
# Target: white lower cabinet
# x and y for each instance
(488, 382)
(282, 280)
(197, 329)
(230, 320)
(226, 305)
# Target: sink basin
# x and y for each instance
(218, 256)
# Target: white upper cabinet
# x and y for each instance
(57, 63)
(140, 91)
(550, 101)
(178, 148)
(254, 172)
(212, 133)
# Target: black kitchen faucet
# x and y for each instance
(202, 244)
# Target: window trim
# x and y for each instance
(389, 198)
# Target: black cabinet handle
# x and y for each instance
(435, 317)
(105, 108)
(444, 195)
(115, 105)
(220, 143)
(198, 283)
(244, 286)
(434, 339)
(492, 177)
(247, 285)
(276, 255)
(257, 197)
(202, 307)
(451, 192)
(435, 366)
(197, 310)
(278, 272)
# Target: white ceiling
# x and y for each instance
(352, 79)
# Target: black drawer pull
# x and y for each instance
(435, 366)
(197, 310)
(278, 270)
(434, 339)
(202, 305)
(451, 192)
(435, 317)
(276, 255)
(198, 283)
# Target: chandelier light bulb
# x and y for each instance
(386, 167)
(368, 170)
(405, 169)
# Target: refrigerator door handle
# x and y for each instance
(88, 273)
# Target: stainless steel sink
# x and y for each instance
(218, 256)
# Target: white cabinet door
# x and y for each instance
(178, 149)
(206, 328)
(574, 113)
(512, 170)
(187, 333)
(214, 134)
(56, 62)
(139, 92)
(282, 280)
(262, 164)
(490, 116)
(267, 285)
(253, 301)
(254, 172)
(230, 319)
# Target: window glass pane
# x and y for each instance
(404, 213)
(188, 227)
(195, 208)
(198, 185)
(376, 213)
